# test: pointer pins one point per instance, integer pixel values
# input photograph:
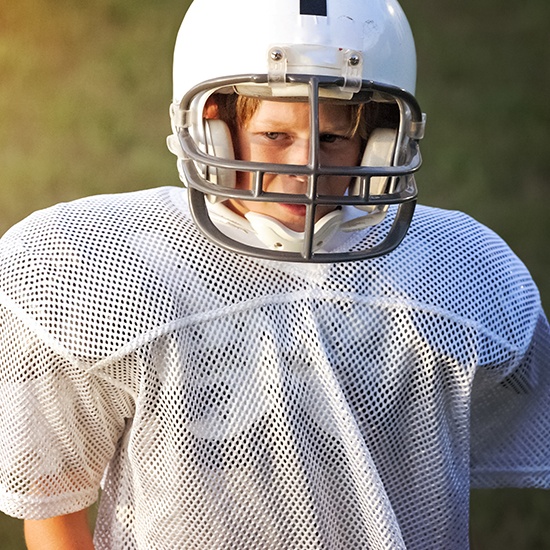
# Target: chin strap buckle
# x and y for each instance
(417, 129)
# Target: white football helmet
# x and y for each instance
(356, 52)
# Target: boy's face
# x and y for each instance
(279, 132)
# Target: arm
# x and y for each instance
(69, 532)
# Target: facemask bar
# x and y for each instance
(403, 194)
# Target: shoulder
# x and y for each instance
(87, 266)
(437, 225)
(452, 269)
(461, 266)
(453, 243)
(86, 237)
(90, 223)
(98, 210)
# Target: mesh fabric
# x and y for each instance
(229, 402)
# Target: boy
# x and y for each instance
(230, 398)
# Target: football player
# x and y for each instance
(286, 352)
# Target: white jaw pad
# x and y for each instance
(379, 152)
(277, 236)
(219, 144)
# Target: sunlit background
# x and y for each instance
(84, 93)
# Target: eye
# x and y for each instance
(272, 136)
(331, 138)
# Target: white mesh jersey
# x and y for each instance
(234, 403)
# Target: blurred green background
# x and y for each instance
(84, 93)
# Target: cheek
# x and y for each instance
(354, 153)
(334, 185)
(348, 153)
(241, 146)
(242, 152)
(245, 180)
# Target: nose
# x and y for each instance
(298, 153)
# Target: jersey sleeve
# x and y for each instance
(60, 422)
(510, 420)
(59, 426)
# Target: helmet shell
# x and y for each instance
(219, 38)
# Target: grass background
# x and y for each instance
(84, 94)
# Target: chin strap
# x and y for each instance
(277, 236)
(272, 233)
